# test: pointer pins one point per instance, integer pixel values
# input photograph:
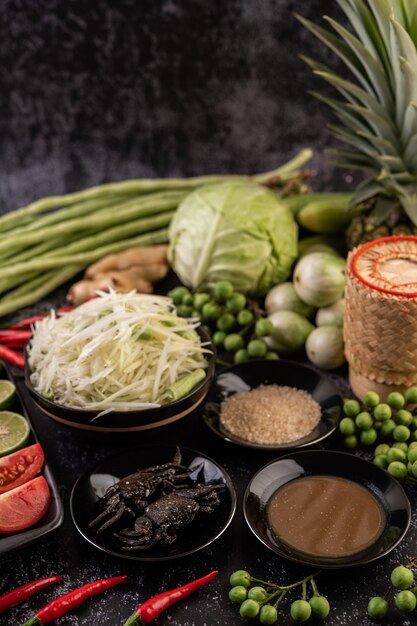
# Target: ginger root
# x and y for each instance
(134, 269)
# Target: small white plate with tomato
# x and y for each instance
(30, 506)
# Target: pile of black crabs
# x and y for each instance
(153, 504)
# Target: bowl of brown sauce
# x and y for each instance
(326, 509)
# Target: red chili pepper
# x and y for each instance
(12, 357)
(68, 601)
(149, 610)
(65, 309)
(27, 321)
(20, 594)
(15, 343)
(14, 334)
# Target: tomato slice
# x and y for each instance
(19, 467)
(24, 506)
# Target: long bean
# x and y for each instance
(145, 185)
(155, 203)
(80, 209)
(48, 281)
(37, 289)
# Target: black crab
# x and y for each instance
(164, 517)
(131, 495)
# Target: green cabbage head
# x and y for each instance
(234, 231)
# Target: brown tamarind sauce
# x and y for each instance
(325, 516)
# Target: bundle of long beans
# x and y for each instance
(46, 243)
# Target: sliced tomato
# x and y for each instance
(19, 467)
(24, 506)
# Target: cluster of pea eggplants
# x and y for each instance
(393, 423)
(402, 580)
(261, 599)
(235, 324)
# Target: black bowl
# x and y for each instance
(384, 487)
(205, 528)
(251, 374)
(128, 421)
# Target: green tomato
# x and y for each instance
(320, 607)
(396, 400)
(411, 395)
(364, 420)
(219, 337)
(300, 611)
(414, 590)
(381, 461)
(403, 417)
(412, 445)
(395, 454)
(177, 294)
(397, 469)
(256, 348)
(272, 356)
(187, 299)
(401, 433)
(381, 449)
(413, 425)
(200, 299)
(351, 441)
(210, 312)
(402, 577)
(245, 317)
(382, 412)
(347, 426)
(268, 614)
(184, 310)
(406, 601)
(241, 356)
(371, 399)
(368, 437)
(401, 445)
(233, 342)
(377, 607)
(351, 408)
(226, 321)
(236, 303)
(240, 578)
(257, 593)
(414, 469)
(223, 290)
(249, 608)
(412, 454)
(238, 594)
(387, 427)
(263, 328)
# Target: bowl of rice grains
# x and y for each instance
(272, 405)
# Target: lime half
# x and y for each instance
(7, 394)
(14, 432)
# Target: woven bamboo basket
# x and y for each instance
(380, 326)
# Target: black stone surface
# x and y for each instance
(99, 91)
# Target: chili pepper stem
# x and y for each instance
(133, 620)
(33, 621)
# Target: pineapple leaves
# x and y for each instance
(373, 68)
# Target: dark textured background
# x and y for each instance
(100, 90)
(93, 91)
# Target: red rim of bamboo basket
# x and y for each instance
(371, 244)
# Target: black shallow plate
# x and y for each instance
(205, 528)
(127, 421)
(387, 490)
(55, 514)
(251, 374)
